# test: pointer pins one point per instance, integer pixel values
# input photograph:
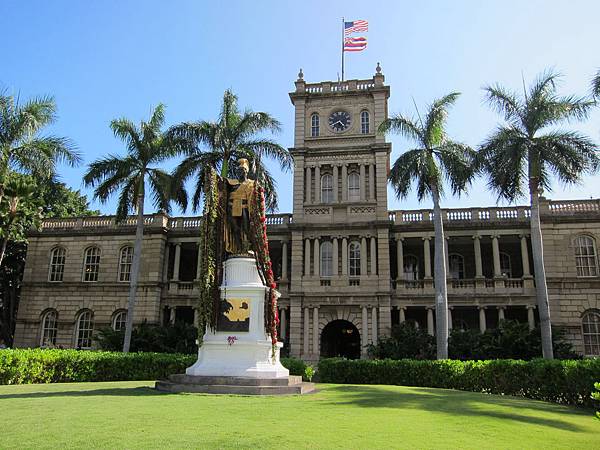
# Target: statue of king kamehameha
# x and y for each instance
(234, 225)
(240, 205)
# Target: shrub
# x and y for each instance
(511, 340)
(596, 396)
(25, 366)
(560, 381)
(177, 338)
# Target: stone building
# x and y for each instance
(347, 267)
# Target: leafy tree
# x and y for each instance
(147, 147)
(436, 159)
(51, 199)
(219, 144)
(524, 153)
(405, 341)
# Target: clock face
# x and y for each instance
(339, 121)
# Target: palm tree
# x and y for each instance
(526, 151)
(147, 146)
(219, 144)
(22, 148)
(435, 160)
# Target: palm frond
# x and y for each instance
(596, 85)
(109, 166)
(458, 165)
(503, 102)
(435, 120)
(258, 149)
(404, 126)
(128, 132)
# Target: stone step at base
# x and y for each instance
(295, 389)
(181, 378)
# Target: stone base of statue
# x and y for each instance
(237, 357)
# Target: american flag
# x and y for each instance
(355, 26)
(355, 44)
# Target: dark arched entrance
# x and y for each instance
(340, 338)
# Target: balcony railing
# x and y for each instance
(462, 285)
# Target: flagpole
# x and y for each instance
(342, 49)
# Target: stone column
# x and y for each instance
(477, 250)
(315, 328)
(430, 325)
(307, 258)
(172, 311)
(530, 317)
(402, 314)
(364, 336)
(371, 182)
(282, 323)
(373, 256)
(284, 260)
(501, 313)
(482, 322)
(363, 256)
(166, 262)
(446, 240)
(316, 256)
(362, 182)
(496, 255)
(317, 196)
(177, 261)
(199, 264)
(335, 184)
(344, 256)
(308, 185)
(344, 182)
(374, 325)
(449, 319)
(525, 256)
(334, 257)
(400, 258)
(196, 317)
(427, 256)
(306, 333)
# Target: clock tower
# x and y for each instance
(340, 233)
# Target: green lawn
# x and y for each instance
(132, 415)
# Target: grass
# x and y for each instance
(133, 415)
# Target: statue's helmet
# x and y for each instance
(243, 162)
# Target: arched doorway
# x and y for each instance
(340, 338)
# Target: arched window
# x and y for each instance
(49, 329)
(326, 259)
(353, 186)
(327, 188)
(314, 125)
(57, 264)
(456, 267)
(411, 268)
(364, 122)
(591, 333)
(125, 263)
(91, 264)
(354, 259)
(585, 257)
(84, 330)
(119, 320)
(505, 266)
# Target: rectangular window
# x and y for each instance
(125, 264)
(91, 264)
(57, 264)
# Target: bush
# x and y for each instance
(511, 340)
(177, 338)
(596, 396)
(560, 381)
(25, 366)
(298, 367)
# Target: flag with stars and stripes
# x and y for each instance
(355, 44)
(355, 26)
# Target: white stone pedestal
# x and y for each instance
(250, 353)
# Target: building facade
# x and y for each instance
(347, 267)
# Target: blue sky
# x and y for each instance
(107, 59)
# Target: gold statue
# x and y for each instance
(239, 206)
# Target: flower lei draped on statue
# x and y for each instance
(213, 255)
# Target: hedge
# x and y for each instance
(25, 366)
(560, 381)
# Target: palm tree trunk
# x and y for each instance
(135, 270)
(540, 275)
(3, 249)
(441, 294)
